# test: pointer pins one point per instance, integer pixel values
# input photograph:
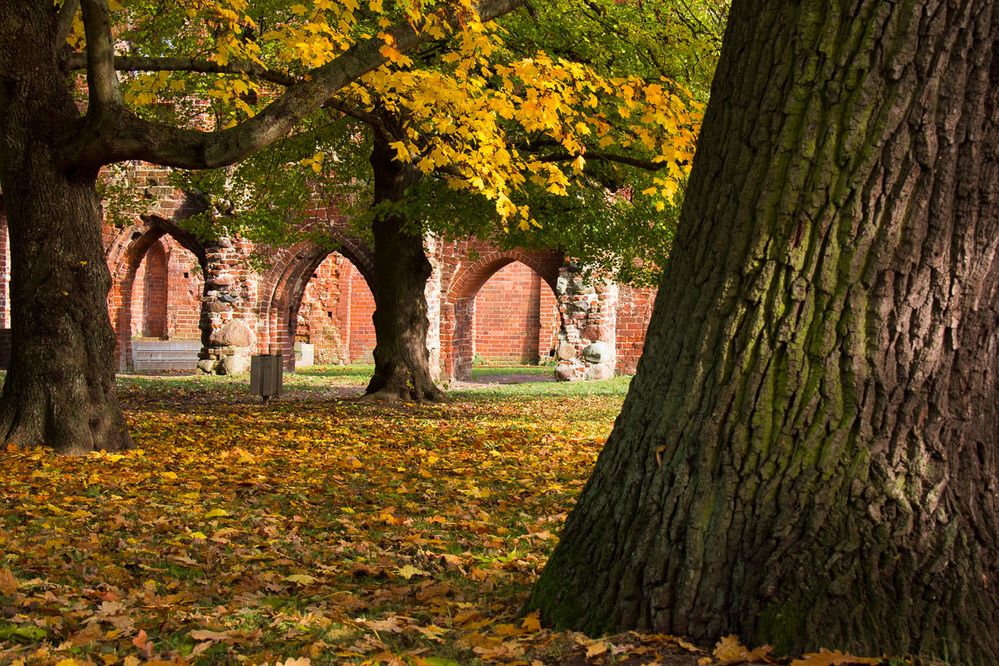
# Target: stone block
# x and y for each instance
(598, 352)
(565, 373)
(599, 372)
(233, 334)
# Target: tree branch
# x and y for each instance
(203, 66)
(647, 165)
(65, 24)
(105, 93)
(199, 65)
(191, 149)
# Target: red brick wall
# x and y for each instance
(509, 311)
(319, 317)
(185, 287)
(166, 293)
(549, 317)
(634, 309)
(149, 294)
(362, 328)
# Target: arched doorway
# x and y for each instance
(335, 312)
(319, 297)
(516, 318)
(155, 302)
(513, 319)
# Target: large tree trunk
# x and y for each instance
(809, 455)
(59, 390)
(402, 361)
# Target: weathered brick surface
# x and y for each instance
(634, 310)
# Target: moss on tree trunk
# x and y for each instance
(809, 454)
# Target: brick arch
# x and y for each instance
(458, 317)
(124, 256)
(283, 286)
(469, 279)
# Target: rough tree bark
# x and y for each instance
(809, 454)
(59, 388)
(402, 361)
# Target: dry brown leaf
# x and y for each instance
(835, 658)
(596, 648)
(391, 625)
(205, 635)
(729, 650)
(8, 584)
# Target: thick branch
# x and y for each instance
(647, 165)
(191, 149)
(65, 25)
(200, 65)
(105, 93)
(204, 66)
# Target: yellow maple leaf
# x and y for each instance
(532, 622)
(409, 571)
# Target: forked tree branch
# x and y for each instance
(158, 143)
(203, 66)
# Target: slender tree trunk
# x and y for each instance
(402, 361)
(59, 390)
(809, 455)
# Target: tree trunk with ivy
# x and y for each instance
(809, 454)
(402, 361)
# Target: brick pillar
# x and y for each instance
(434, 297)
(463, 341)
(227, 319)
(588, 309)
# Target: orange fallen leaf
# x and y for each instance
(730, 651)
(8, 584)
(143, 644)
(835, 658)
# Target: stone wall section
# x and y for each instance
(227, 318)
(588, 305)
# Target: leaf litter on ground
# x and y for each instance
(316, 530)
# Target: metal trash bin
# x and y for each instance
(266, 375)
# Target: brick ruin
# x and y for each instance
(178, 303)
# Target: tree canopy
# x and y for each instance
(535, 118)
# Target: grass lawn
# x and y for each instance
(318, 528)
